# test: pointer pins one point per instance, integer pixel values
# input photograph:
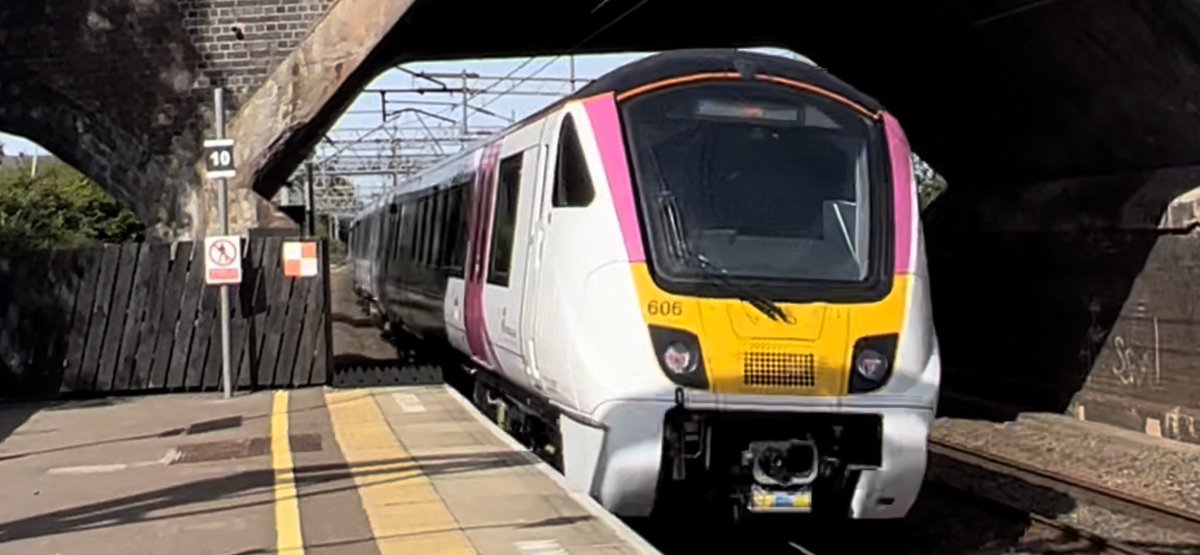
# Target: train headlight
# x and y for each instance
(871, 365)
(872, 362)
(679, 356)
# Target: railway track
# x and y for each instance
(1049, 535)
(1075, 486)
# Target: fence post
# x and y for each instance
(328, 308)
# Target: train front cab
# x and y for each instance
(783, 295)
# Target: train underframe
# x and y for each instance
(524, 416)
(768, 463)
(755, 463)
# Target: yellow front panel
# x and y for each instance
(745, 352)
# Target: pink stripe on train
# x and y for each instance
(904, 193)
(602, 111)
(483, 199)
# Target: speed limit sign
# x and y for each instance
(218, 158)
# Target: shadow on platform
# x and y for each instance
(151, 506)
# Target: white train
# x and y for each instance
(703, 272)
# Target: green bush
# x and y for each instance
(59, 208)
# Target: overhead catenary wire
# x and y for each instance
(556, 57)
(581, 43)
(351, 148)
(550, 62)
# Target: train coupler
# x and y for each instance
(782, 473)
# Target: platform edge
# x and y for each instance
(593, 507)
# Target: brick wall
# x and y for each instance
(241, 41)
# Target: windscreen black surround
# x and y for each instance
(777, 189)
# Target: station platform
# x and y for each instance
(315, 471)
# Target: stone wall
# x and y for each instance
(1073, 296)
(122, 89)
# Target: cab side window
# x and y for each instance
(572, 182)
(505, 222)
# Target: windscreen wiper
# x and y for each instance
(763, 304)
(715, 274)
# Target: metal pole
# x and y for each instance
(311, 204)
(223, 214)
(465, 98)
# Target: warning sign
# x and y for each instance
(222, 259)
(300, 259)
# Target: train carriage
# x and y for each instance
(703, 272)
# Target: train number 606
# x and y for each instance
(664, 308)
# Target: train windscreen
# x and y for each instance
(756, 181)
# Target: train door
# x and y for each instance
(558, 208)
(379, 261)
(389, 262)
(495, 269)
(534, 241)
(539, 225)
(482, 201)
(505, 280)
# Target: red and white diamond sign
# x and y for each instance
(300, 259)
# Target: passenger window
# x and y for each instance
(459, 258)
(505, 220)
(572, 183)
(435, 226)
(408, 230)
(451, 224)
(396, 220)
(426, 228)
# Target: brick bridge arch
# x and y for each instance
(1067, 128)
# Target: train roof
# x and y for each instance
(679, 63)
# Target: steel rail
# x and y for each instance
(1089, 536)
(950, 449)
(1079, 533)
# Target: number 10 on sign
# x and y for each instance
(218, 158)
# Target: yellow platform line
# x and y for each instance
(406, 514)
(288, 537)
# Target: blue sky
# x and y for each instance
(17, 145)
(585, 66)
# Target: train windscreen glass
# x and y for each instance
(758, 181)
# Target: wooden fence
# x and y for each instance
(139, 318)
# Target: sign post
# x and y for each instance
(222, 253)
